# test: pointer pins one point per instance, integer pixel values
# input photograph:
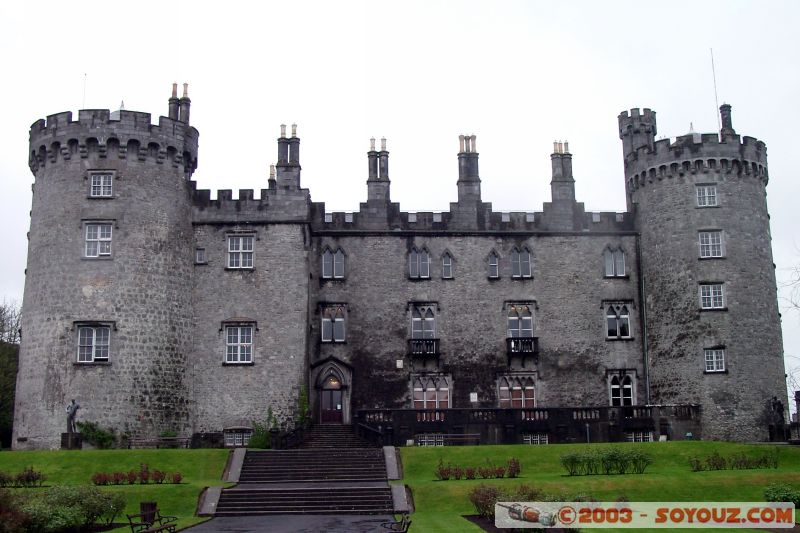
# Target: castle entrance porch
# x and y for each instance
(331, 391)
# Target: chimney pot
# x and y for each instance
(461, 143)
(186, 90)
(383, 144)
(474, 143)
(294, 130)
(174, 90)
(372, 144)
(566, 147)
(283, 130)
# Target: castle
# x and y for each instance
(161, 309)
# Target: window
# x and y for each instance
(715, 359)
(419, 264)
(516, 392)
(639, 436)
(710, 244)
(447, 266)
(333, 323)
(100, 186)
(535, 438)
(423, 322)
(520, 326)
(614, 261)
(240, 251)
(200, 256)
(520, 263)
(98, 240)
(239, 344)
(237, 437)
(707, 196)
(711, 296)
(333, 264)
(618, 321)
(621, 390)
(93, 343)
(431, 392)
(494, 266)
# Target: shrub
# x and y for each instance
(118, 478)
(696, 464)
(72, 508)
(782, 492)
(175, 477)
(499, 471)
(592, 462)
(159, 476)
(716, 462)
(144, 474)
(486, 472)
(457, 472)
(29, 478)
(133, 476)
(527, 493)
(639, 461)
(100, 478)
(483, 497)
(443, 472)
(470, 472)
(12, 519)
(572, 463)
(513, 468)
(113, 504)
(97, 436)
(260, 437)
(6, 480)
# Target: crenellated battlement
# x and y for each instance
(270, 206)
(123, 134)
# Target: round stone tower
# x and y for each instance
(712, 328)
(106, 313)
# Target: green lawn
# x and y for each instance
(200, 468)
(440, 504)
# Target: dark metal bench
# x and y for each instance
(159, 442)
(152, 522)
(398, 527)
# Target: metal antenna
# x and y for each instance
(83, 102)
(716, 100)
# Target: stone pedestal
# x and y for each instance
(71, 441)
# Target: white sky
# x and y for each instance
(518, 74)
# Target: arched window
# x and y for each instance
(520, 263)
(618, 322)
(494, 266)
(447, 266)
(516, 392)
(333, 329)
(520, 321)
(423, 322)
(419, 264)
(621, 390)
(431, 393)
(333, 264)
(614, 262)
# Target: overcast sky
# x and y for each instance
(517, 74)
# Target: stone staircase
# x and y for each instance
(333, 472)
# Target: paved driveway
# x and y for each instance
(293, 524)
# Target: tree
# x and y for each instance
(9, 358)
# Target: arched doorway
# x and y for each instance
(331, 401)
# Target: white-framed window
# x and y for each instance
(535, 438)
(712, 296)
(333, 323)
(100, 185)
(429, 439)
(239, 343)
(714, 359)
(621, 389)
(520, 321)
(423, 322)
(639, 436)
(419, 264)
(94, 343)
(618, 321)
(516, 392)
(200, 256)
(240, 251)
(614, 262)
(431, 392)
(98, 240)
(710, 244)
(333, 264)
(494, 266)
(707, 196)
(520, 263)
(447, 266)
(237, 437)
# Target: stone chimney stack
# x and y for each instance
(288, 166)
(174, 103)
(727, 122)
(562, 186)
(185, 104)
(469, 182)
(378, 180)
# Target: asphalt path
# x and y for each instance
(311, 523)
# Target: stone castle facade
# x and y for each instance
(161, 309)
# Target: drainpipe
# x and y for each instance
(643, 316)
